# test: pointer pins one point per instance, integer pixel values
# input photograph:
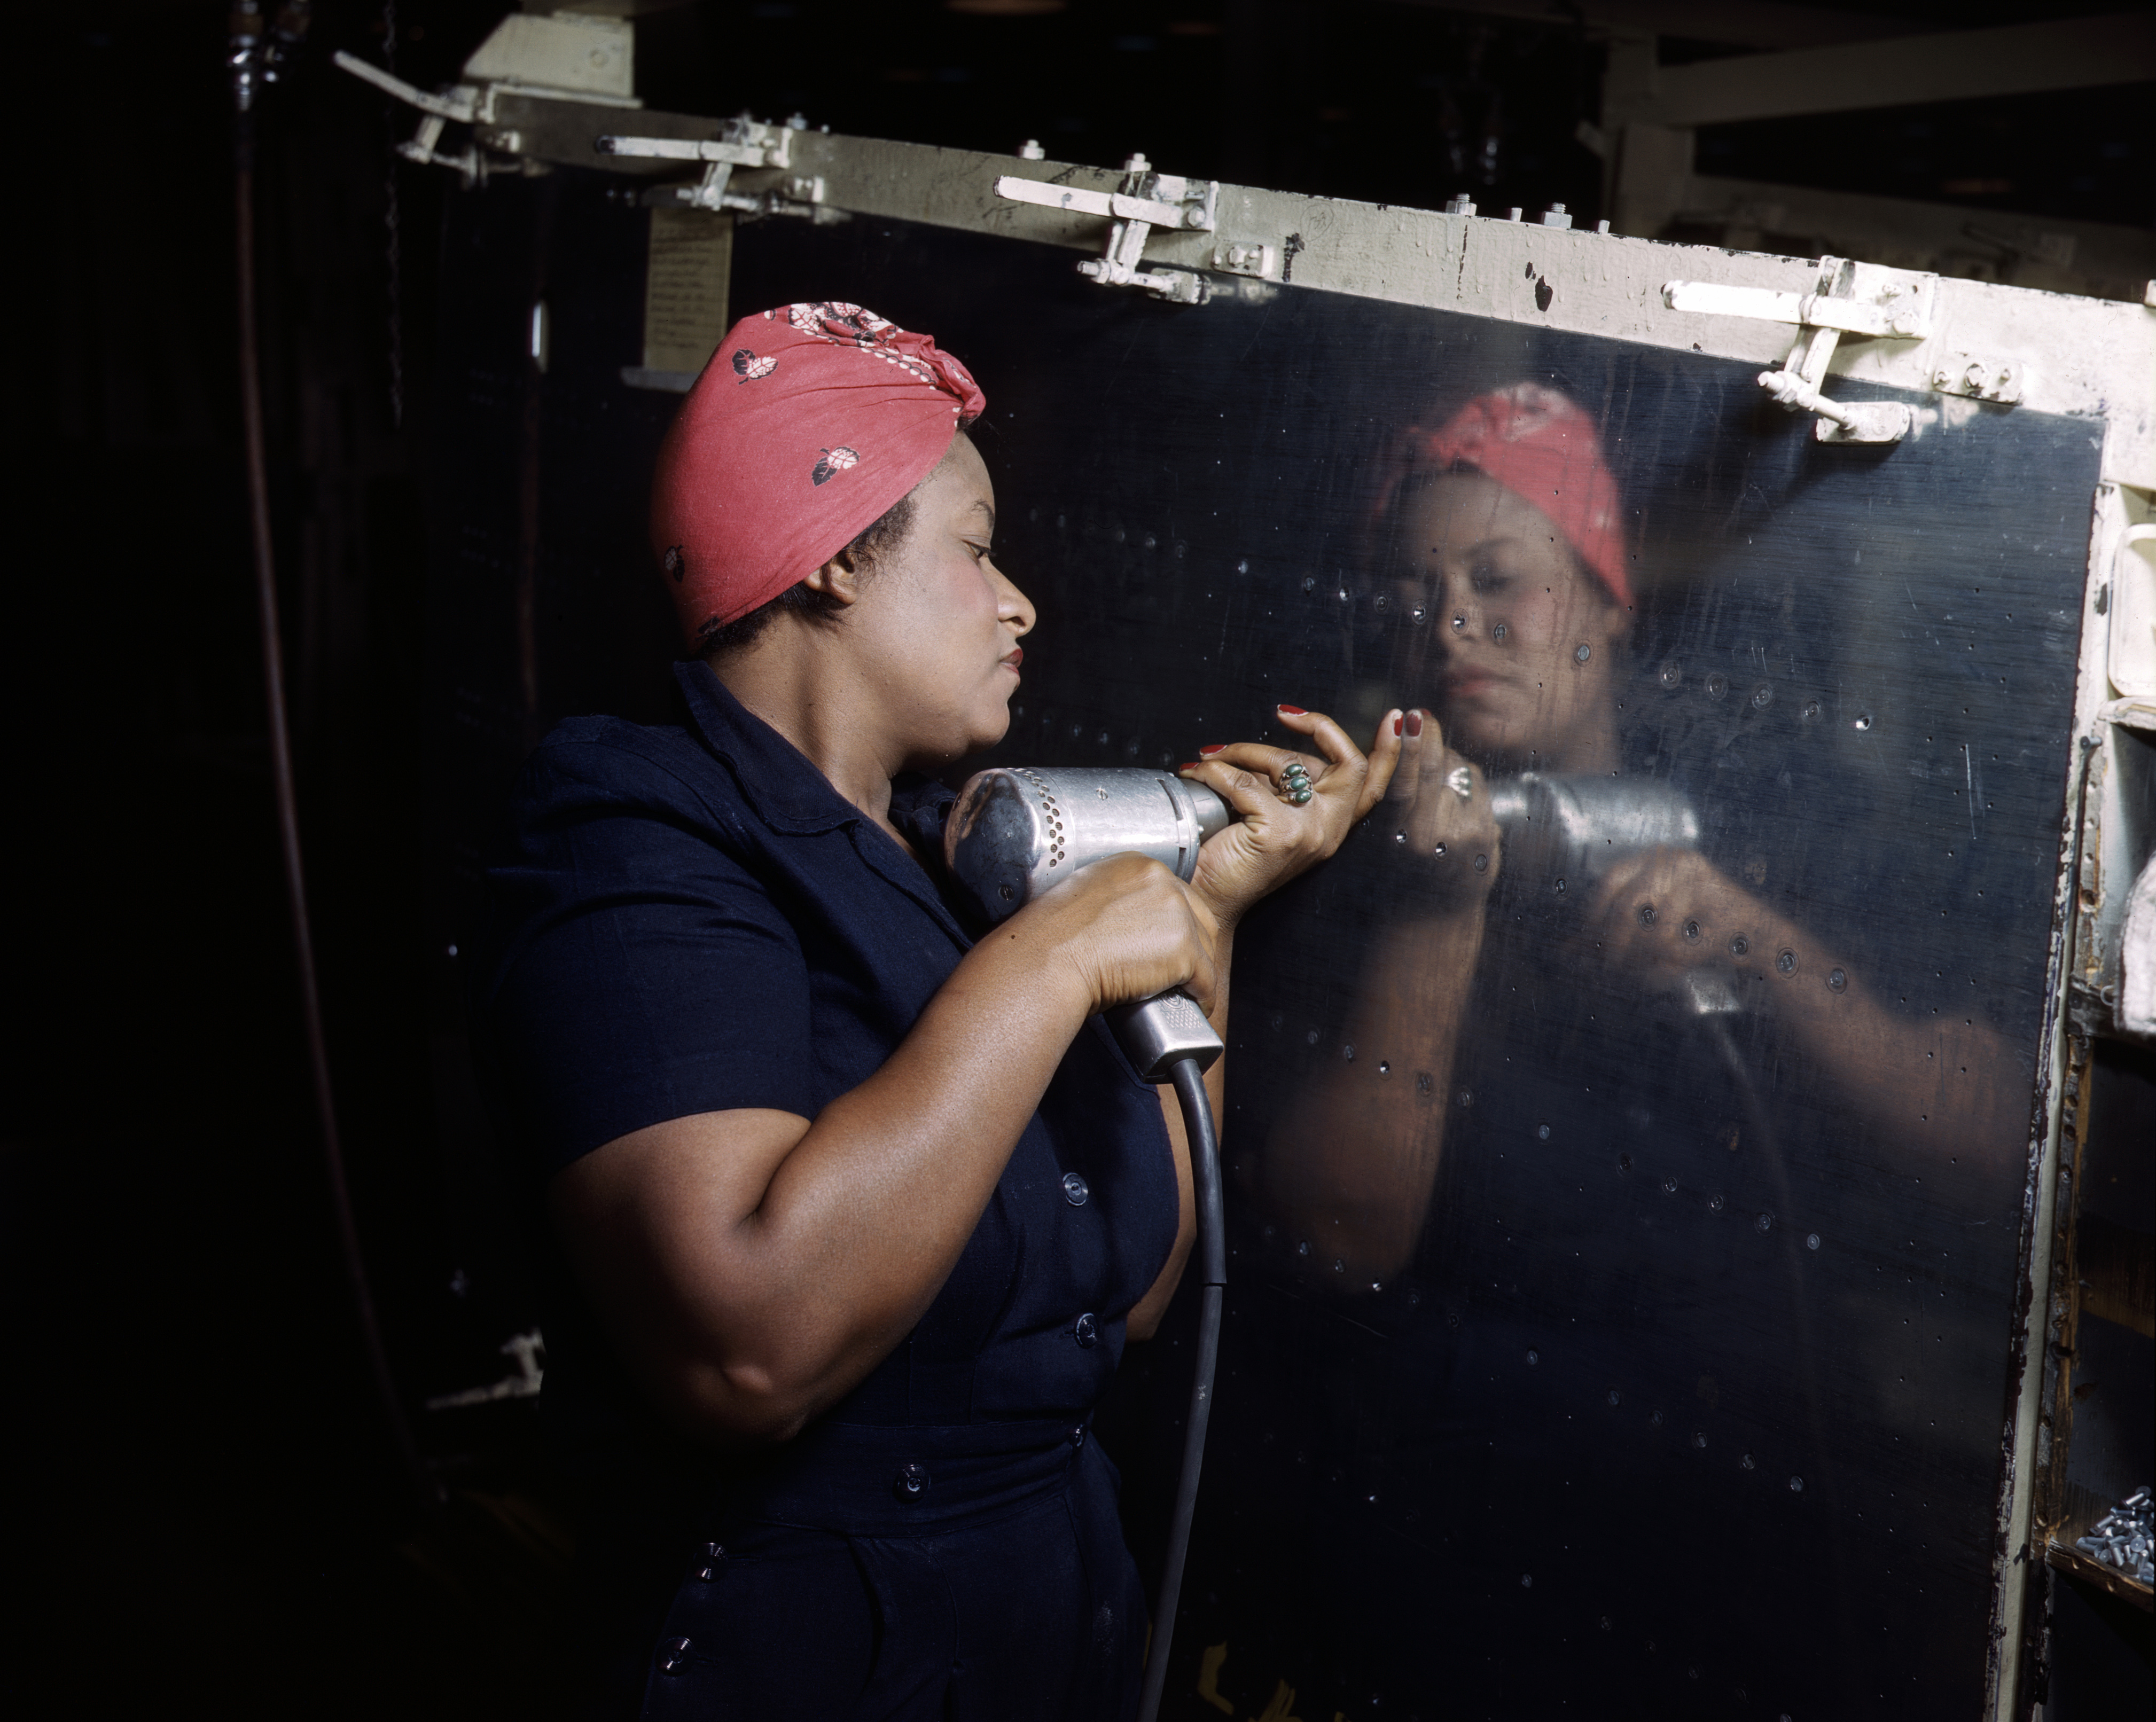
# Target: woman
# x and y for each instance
(1502, 534)
(857, 1213)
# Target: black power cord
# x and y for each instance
(1188, 1077)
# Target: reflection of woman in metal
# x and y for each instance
(1503, 541)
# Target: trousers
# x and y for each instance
(975, 1573)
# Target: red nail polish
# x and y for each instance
(1396, 726)
(1415, 723)
(1292, 710)
(1208, 752)
(1187, 765)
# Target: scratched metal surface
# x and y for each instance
(1551, 1463)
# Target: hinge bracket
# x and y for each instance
(1146, 200)
(1851, 298)
(747, 143)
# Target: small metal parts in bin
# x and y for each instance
(2120, 1538)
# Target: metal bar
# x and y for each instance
(1960, 65)
(457, 108)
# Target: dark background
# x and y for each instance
(206, 1506)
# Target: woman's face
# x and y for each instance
(1517, 642)
(938, 624)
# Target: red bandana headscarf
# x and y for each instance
(810, 422)
(1543, 450)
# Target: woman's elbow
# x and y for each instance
(735, 1402)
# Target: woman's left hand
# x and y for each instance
(1664, 911)
(1275, 838)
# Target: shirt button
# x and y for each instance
(1078, 1436)
(911, 1484)
(674, 1656)
(1076, 1190)
(1086, 1329)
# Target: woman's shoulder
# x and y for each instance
(588, 764)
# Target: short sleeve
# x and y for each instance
(639, 972)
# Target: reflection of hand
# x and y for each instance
(1450, 837)
(1273, 839)
(1664, 912)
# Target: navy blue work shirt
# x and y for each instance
(691, 919)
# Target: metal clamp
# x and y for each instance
(1147, 200)
(1851, 298)
(746, 143)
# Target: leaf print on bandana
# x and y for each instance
(834, 461)
(748, 366)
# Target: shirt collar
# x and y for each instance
(785, 790)
(779, 782)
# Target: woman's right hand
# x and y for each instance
(1127, 928)
(1437, 816)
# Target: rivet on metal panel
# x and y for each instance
(1984, 379)
(1670, 676)
(1811, 1240)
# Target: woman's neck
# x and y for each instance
(787, 682)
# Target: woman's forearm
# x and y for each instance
(1352, 1163)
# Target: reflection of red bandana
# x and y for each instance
(808, 424)
(1543, 448)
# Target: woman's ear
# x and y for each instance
(841, 579)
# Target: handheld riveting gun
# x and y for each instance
(1018, 832)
